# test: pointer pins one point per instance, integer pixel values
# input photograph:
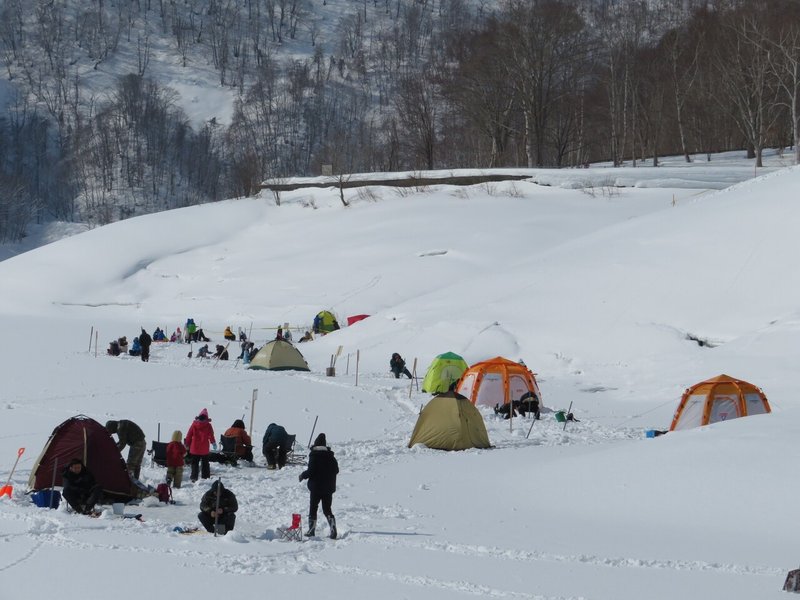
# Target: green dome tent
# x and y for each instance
(445, 370)
(325, 322)
(450, 422)
(279, 355)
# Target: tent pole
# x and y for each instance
(53, 484)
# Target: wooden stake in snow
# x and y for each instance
(413, 378)
(358, 356)
(253, 409)
(91, 335)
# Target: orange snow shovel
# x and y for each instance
(8, 488)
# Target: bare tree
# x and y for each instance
(743, 59)
(785, 59)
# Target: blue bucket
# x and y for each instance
(46, 498)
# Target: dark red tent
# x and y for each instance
(86, 439)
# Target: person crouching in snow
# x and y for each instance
(222, 511)
(398, 366)
(321, 475)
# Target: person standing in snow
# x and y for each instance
(176, 453)
(129, 434)
(321, 474)
(199, 439)
(144, 341)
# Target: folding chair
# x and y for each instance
(294, 531)
(292, 457)
(228, 448)
(158, 453)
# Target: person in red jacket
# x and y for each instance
(176, 452)
(198, 439)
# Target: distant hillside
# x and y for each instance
(113, 108)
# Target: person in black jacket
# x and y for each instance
(398, 366)
(223, 513)
(321, 475)
(81, 490)
(144, 341)
(275, 446)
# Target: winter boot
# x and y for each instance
(312, 526)
(332, 524)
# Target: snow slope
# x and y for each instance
(597, 288)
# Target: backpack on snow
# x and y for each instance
(164, 493)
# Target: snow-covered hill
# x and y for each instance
(597, 288)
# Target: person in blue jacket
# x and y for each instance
(275, 446)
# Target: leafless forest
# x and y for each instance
(390, 85)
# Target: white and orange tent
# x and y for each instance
(497, 381)
(718, 399)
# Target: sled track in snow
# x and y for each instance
(525, 556)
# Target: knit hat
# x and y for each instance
(75, 461)
(238, 423)
(321, 441)
(204, 412)
(111, 426)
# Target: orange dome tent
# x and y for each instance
(497, 381)
(719, 399)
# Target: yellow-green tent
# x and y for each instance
(325, 322)
(445, 370)
(450, 422)
(279, 355)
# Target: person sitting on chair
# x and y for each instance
(244, 445)
(81, 490)
(218, 505)
(228, 334)
(275, 446)
(136, 348)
